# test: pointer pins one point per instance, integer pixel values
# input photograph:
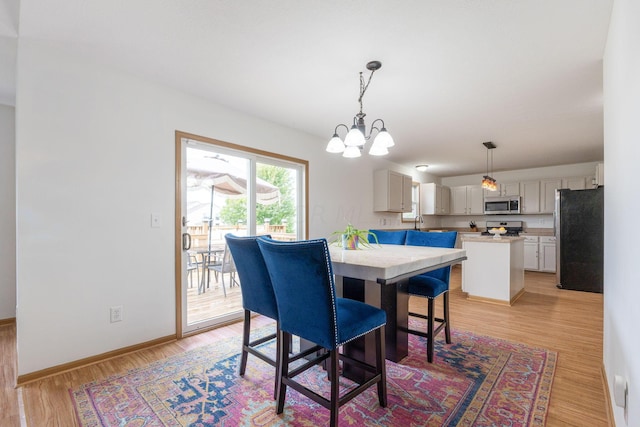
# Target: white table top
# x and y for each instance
(389, 263)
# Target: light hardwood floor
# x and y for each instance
(567, 322)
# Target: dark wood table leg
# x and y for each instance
(394, 300)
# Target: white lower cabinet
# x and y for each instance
(531, 253)
(540, 253)
(547, 254)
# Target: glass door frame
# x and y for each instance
(254, 156)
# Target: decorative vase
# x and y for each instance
(349, 242)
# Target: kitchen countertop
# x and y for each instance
(530, 231)
(491, 239)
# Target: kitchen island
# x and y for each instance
(494, 270)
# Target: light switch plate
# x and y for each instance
(156, 221)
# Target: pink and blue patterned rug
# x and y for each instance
(475, 381)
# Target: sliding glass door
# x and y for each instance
(229, 189)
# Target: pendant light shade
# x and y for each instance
(335, 144)
(378, 148)
(351, 152)
(354, 138)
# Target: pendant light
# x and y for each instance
(488, 182)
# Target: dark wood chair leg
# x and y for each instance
(335, 387)
(447, 329)
(381, 367)
(430, 313)
(278, 360)
(246, 330)
(284, 338)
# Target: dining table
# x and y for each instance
(379, 275)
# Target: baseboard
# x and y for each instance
(55, 370)
(607, 397)
(9, 321)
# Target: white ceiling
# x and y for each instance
(525, 74)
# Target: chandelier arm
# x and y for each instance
(343, 125)
(373, 127)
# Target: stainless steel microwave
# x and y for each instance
(509, 205)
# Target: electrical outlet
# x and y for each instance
(116, 313)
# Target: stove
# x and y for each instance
(513, 227)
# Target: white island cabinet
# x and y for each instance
(494, 270)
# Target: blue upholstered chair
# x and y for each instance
(390, 237)
(302, 278)
(431, 285)
(257, 297)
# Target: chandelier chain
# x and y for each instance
(363, 87)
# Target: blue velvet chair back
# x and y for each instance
(302, 278)
(255, 283)
(386, 237)
(445, 239)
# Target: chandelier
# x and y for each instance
(488, 182)
(356, 135)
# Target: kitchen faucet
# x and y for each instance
(415, 221)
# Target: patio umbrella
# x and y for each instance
(223, 178)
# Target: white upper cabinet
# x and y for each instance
(510, 189)
(434, 199)
(506, 189)
(577, 183)
(530, 192)
(548, 189)
(445, 194)
(600, 174)
(391, 191)
(467, 200)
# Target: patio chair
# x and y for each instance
(226, 265)
(192, 264)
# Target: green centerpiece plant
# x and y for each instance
(351, 237)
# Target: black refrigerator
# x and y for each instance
(579, 226)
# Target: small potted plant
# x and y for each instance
(352, 237)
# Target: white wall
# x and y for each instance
(7, 214)
(621, 253)
(95, 157)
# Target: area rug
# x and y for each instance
(475, 381)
